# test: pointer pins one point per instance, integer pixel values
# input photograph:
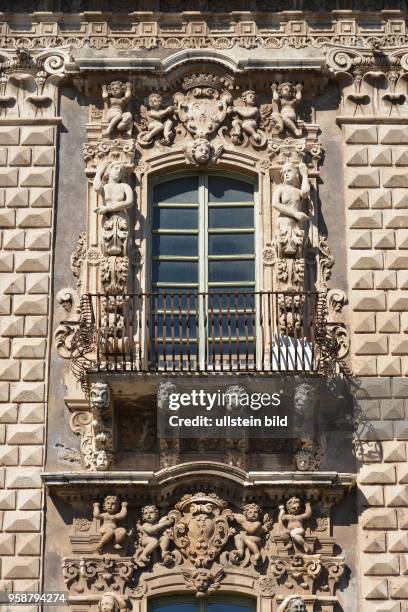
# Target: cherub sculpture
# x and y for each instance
(286, 96)
(112, 602)
(246, 119)
(113, 513)
(153, 534)
(251, 534)
(292, 603)
(117, 199)
(291, 523)
(201, 152)
(156, 120)
(203, 581)
(288, 199)
(116, 97)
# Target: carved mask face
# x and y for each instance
(107, 604)
(202, 582)
(302, 461)
(202, 152)
(100, 395)
(297, 606)
(102, 462)
(150, 515)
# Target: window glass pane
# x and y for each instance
(230, 271)
(230, 244)
(181, 190)
(175, 218)
(224, 189)
(230, 217)
(175, 245)
(175, 272)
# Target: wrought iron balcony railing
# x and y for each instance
(187, 331)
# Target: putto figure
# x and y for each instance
(153, 534)
(252, 533)
(246, 121)
(156, 120)
(291, 523)
(116, 97)
(287, 97)
(113, 513)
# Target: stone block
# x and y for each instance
(401, 430)
(399, 345)
(373, 388)
(358, 199)
(28, 544)
(38, 217)
(402, 276)
(389, 366)
(2, 435)
(383, 239)
(396, 495)
(362, 280)
(371, 301)
(377, 474)
(398, 301)
(371, 495)
(6, 262)
(396, 261)
(398, 588)
(394, 134)
(5, 305)
(380, 156)
(397, 541)
(21, 567)
(402, 514)
(371, 344)
(12, 283)
(16, 478)
(22, 521)
(372, 260)
(31, 455)
(394, 219)
(36, 326)
(361, 134)
(375, 589)
(34, 261)
(399, 198)
(9, 177)
(32, 370)
(7, 544)
(364, 366)
(9, 135)
(366, 219)
(402, 470)
(394, 451)
(4, 394)
(364, 323)
(377, 430)
(3, 156)
(366, 178)
(384, 564)
(35, 177)
(31, 413)
(8, 413)
(27, 392)
(400, 387)
(7, 218)
(31, 304)
(25, 434)
(381, 198)
(12, 326)
(19, 156)
(357, 156)
(8, 455)
(369, 408)
(14, 240)
(374, 542)
(43, 156)
(29, 348)
(41, 198)
(360, 239)
(384, 279)
(16, 197)
(38, 240)
(29, 500)
(379, 518)
(392, 409)
(39, 283)
(4, 348)
(7, 500)
(37, 135)
(394, 178)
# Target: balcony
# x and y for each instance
(185, 331)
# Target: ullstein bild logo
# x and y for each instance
(229, 400)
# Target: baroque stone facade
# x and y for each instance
(99, 107)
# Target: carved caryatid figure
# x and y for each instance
(289, 199)
(292, 603)
(247, 118)
(286, 96)
(111, 602)
(252, 533)
(116, 97)
(113, 513)
(153, 534)
(156, 120)
(291, 522)
(117, 199)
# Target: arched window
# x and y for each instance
(214, 603)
